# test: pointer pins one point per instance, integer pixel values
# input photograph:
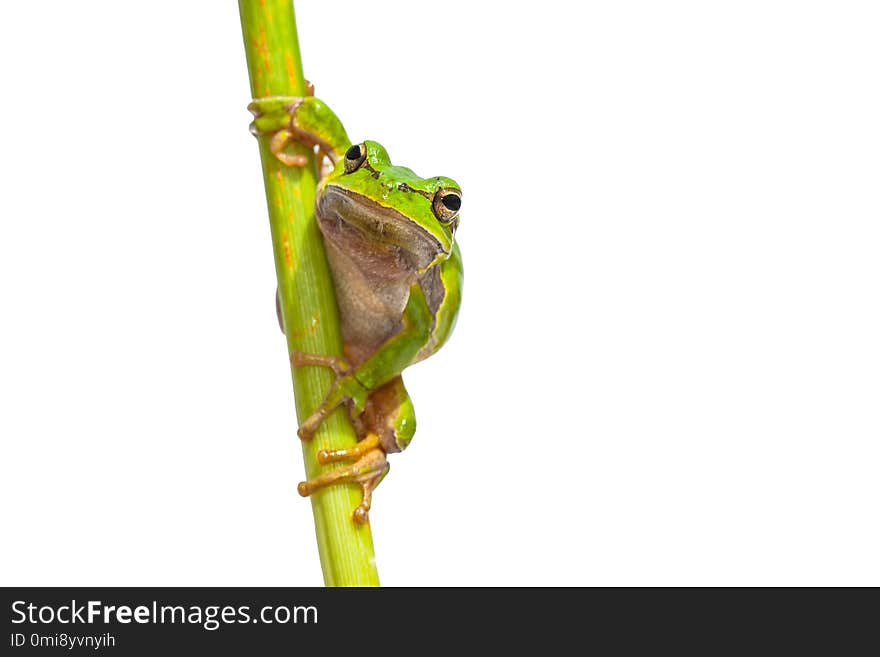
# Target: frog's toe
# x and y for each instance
(369, 443)
(275, 116)
(272, 105)
(336, 363)
(347, 390)
(307, 429)
(277, 145)
(370, 468)
(361, 514)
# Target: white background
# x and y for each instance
(666, 368)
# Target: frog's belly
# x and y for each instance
(372, 290)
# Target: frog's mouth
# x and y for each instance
(362, 227)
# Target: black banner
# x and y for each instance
(135, 621)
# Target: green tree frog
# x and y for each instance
(397, 271)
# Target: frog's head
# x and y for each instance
(391, 205)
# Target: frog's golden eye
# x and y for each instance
(355, 157)
(446, 204)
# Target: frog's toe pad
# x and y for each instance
(361, 514)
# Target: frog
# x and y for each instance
(389, 238)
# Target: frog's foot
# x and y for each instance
(346, 389)
(335, 363)
(369, 443)
(276, 116)
(368, 470)
(296, 119)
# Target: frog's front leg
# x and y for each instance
(306, 120)
(379, 404)
(387, 362)
(335, 363)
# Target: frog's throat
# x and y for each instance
(345, 216)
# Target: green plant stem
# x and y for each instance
(308, 303)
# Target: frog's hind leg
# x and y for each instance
(363, 446)
(389, 414)
(368, 471)
(386, 425)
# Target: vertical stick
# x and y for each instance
(305, 287)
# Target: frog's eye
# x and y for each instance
(446, 204)
(354, 157)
